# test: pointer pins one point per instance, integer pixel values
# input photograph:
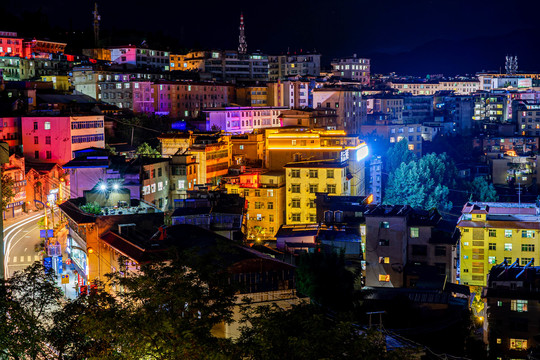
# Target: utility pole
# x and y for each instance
(4, 159)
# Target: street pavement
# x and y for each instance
(21, 237)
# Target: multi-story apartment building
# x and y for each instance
(213, 158)
(310, 118)
(388, 106)
(188, 99)
(527, 117)
(291, 93)
(283, 66)
(376, 179)
(42, 48)
(136, 96)
(10, 130)
(54, 139)
(10, 44)
(415, 87)
(347, 101)
(16, 170)
(248, 148)
(457, 110)
(494, 232)
(183, 176)
(306, 178)
(290, 145)
(353, 68)
(459, 86)
(417, 109)
(490, 107)
(405, 246)
(265, 196)
(512, 310)
(414, 133)
(140, 57)
(239, 120)
(489, 83)
(252, 96)
(192, 61)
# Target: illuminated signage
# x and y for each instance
(362, 152)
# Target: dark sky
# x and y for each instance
(334, 28)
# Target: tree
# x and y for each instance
(28, 301)
(7, 191)
(398, 154)
(481, 190)
(306, 332)
(423, 183)
(146, 150)
(323, 277)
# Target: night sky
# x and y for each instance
(406, 36)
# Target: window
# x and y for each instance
(492, 233)
(181, 184)
(271, 218)
(384, 278)
(48, 140)
(440, 250)
(384, 242)
(499, 341)
(508, 260)
(257, 193)
(35, 125)
(499, 303)
(518, 344)
(270, 205)
(258, 205)
(492, 246)
(295, 173)
(159, 172)
(87, 138)
(312, 218)
(312, 204)
(508, 233)
(295, 217)
(270, 193)
(295, 188)
(313, 173)
(295, 203)
(518, 305)
(330, 174)
(47, 125)
(241, 147)
(507, 247)
(331, 188)
(313, 188)
(415, 232)
(492, 260)
(246, 193)
(48, 154)
(384, 260)
(36, 155)
(385, 225)
(525, 261)
(527, 234)
(36, 140)
(419, 250)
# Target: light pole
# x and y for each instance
(4, 159)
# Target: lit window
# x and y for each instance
(518, 344)
(492, 260)
(507, 233)
(47, 125)
(527, 234)
(384, 260)
(519, 305)
(384, 278)
(415, 232)
(385, 225)
(499, 341)
(499, 303)
(507, 247)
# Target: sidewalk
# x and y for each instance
(17, 219)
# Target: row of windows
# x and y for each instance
(87, 138)
(507, 232)
(86, 125)
(297, 217)
(313, 188)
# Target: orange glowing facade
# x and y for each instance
(10, 44)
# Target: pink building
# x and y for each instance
(10, 45)
(54, 139)
(15, 169)
(10, 128)
(240, 120)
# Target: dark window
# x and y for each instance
(35, 125)
(36, 140)
(419, 250)
(49, 155)
(48, 140)
(36, 154)
(159, 172)
(440, 250)
(384, 242)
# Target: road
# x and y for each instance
(20, 239)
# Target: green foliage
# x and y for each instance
(423, 183)
(398, 154)
(481, 190)
(323, 277)
(111, 150)
(146, 150)
(7, 191)
(28, 301)
(91, 208)
(306, 332)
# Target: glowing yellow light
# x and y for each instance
(90, 250)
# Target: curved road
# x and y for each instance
(20, 239)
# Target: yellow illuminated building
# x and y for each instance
(265, 196)
(252, 96)
(192, 61)
(285, 145)
(60, 82)
(494, 232)
(305, 179)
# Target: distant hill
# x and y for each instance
(463, 57)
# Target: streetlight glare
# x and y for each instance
(115, 186)
(103, 187)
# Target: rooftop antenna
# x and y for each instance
(97, 19)
(242, 44)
